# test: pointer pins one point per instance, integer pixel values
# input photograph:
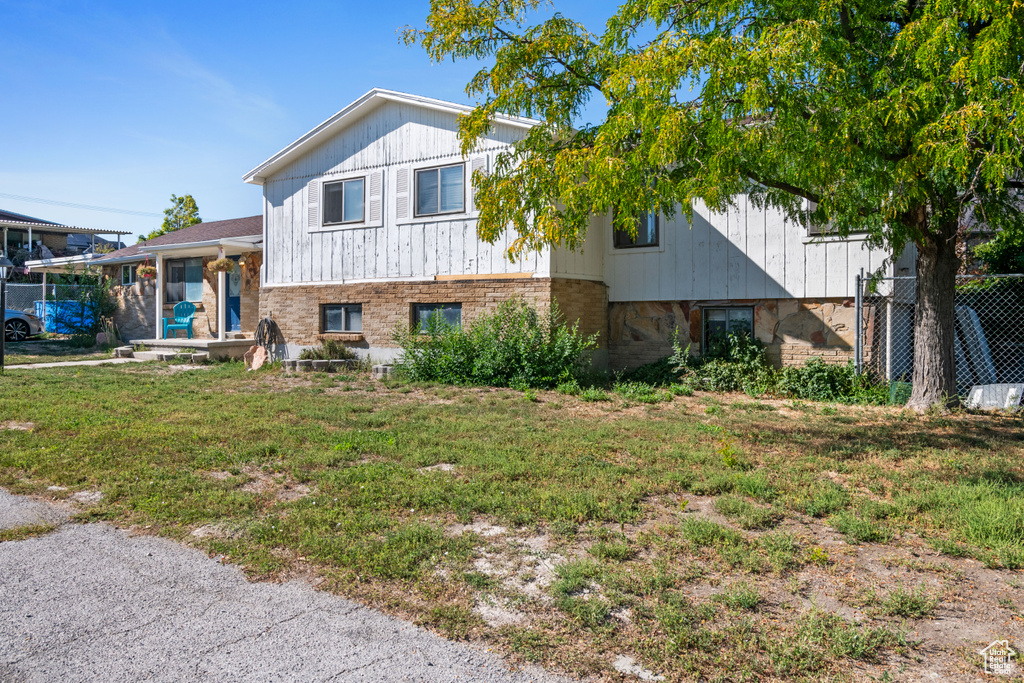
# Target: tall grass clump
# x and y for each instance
(516, 346)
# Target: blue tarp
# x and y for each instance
(66, 317)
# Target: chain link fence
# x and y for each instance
(989, 330)
(24, 297)
(65, 309)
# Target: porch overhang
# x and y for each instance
(61, 265)
(231, 246)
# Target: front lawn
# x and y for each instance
(33, 351)
(707, 537)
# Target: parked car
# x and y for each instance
(19, 326)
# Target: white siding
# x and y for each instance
(390, 137)
(743, 253)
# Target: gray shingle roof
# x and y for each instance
(200, 232)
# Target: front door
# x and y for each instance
(235, 298)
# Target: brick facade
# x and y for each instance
(135, 313)
(792, 330)
(388, 305)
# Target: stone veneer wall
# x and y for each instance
(387, 305)
(792, 330)
(136, 309)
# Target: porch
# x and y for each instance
(233, 346)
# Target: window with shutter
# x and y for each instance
(344, 201)
(440, 190)
(375, 199)
(402, 193)
(479, 166)
(313, 203)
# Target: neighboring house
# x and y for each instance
(370, 223)
(181, 257)
(25, 238)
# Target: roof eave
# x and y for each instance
(56, 227)
(238, 242)
(370, 100)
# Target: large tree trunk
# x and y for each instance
(934, 321)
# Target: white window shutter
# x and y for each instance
(313, 203)
(375, 214)
(476, 164)
(403, 194)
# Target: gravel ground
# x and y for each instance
(90, 602)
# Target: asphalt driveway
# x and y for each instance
(89, 602)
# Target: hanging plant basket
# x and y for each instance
(146, 271)
(221, 265)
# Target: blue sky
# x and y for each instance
(121, 104)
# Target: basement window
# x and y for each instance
(426, 315)
(719, 323)
(342, 318)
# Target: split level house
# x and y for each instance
(369, 223)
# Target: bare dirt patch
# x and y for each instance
(261, 482)
(439, 467)
(17, 426)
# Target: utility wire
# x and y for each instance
(87, 207)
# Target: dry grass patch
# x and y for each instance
(775, 540)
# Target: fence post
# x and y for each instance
(888, 333)
(44, 302)
(858, 321)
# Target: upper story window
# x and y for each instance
(441, 190)
(344, 201)
(647, 233)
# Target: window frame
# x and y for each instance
(323, 200)
(728, 309)
(130, 269)
(416, 313)
(616, 232)
(416, 190)
(346, 324)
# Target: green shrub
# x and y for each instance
(659, 373)
(331, 349)
(739, 364)
(513, 347)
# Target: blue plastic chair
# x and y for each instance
(184, 312)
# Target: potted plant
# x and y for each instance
(221, 265)
(146, 270)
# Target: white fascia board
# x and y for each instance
(236, 242)
(59, 265)
(54, 227)
(354, 111)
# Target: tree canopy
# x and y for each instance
(182, 213)
(893, 118)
